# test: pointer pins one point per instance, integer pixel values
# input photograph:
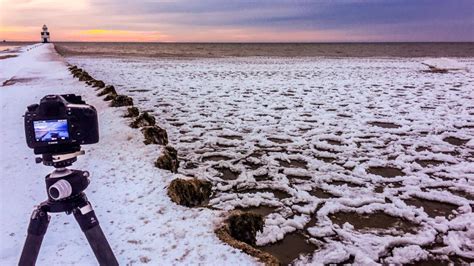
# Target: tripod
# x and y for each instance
(65, 194)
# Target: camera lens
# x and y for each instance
(60, 190)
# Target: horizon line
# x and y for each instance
(249, 42)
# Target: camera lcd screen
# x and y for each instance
(51, 130)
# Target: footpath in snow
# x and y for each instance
(127, 192)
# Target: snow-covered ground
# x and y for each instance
(369, 159)
(127, 191)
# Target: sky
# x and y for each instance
(239, 21)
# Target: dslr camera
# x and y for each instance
(59, 124)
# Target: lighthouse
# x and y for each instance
(45, 34)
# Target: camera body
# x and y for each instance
(60, 124)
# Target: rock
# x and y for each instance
(143, 120)
(132, 112)
(107, 90)
(244, 226)
(155, 135)
(189, 192)
(110, 97)
(98, 84)
(76, 72)
(168, 160)
(85, 76)
(223, 233)
(121, 100)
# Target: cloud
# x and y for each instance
(191, 20)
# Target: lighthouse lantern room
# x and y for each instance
(45, 35)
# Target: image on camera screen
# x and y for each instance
(51, 130)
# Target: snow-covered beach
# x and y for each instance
(350, 159)
(364, 160)
(127, 191)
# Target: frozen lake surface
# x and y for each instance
(351, 160)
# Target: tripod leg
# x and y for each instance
(89, 224)
(36, 229)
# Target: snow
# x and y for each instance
(445, 63)
(328, 121)
(127, 192)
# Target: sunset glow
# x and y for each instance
(238, 21)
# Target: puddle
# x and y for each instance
(384, 125)
(320, 193)
(432, 208)
(279, 141)
(427, 163)
(227, 174)
(385, 171)
(456, 141)
(215, 158)
(377, 221)
(293, 163)
(279, 194)
(290, 248)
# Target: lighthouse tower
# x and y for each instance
(45, 34)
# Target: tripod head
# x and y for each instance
(59, 160)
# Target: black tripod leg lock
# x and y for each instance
(85, 217)
(39, 222)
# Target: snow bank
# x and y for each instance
(127, 191)
(444, 64)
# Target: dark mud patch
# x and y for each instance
(279, 194)
(321, 193)
(227, 174)
(250, 165)
(264, 177)
(373, 221)
(342, 183)
(333, 142)
(262, 210)
(385, 171)
(455, 141)
(420, 149)
(431, 207)
(215, 158)
(14, 81)
(463, 194)
(293, 163)
(326, 159)
(384, 125)
(232, 137)
(290, 248)
(7, 56)
(428, 163)
(279, 141)
(297, 177)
